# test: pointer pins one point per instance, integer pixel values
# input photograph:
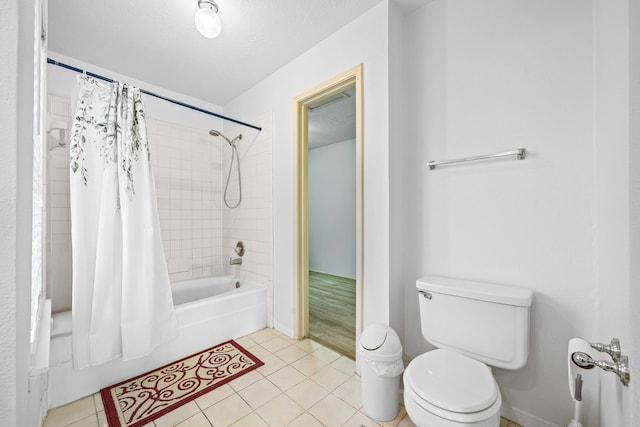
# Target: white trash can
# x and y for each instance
(380, 354)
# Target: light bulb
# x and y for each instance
(208, 23)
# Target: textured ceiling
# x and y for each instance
(335, 122)
(156, 40)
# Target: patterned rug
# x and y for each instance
(140, 400)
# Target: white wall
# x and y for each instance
(400, 200)
(487, 77)
(332, 209)
(634, 186)
(362, 41)
(612, 143)
(16, 109)
(8, 173)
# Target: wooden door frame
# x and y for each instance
(301, 102)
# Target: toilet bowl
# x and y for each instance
(474, 325)
(445, 389)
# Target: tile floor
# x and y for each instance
(301, 384)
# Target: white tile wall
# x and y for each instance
(58, 245)
(186, 169)
(198, 232)
(252, 221)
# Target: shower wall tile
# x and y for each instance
(252, 221)
(57, 216)
(186, 168)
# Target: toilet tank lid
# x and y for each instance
(491, 292)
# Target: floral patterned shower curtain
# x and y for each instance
(122, 304)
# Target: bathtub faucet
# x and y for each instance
(235, 261)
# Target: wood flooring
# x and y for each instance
(332, 312)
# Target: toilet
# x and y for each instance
(474, 325)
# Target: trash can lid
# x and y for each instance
(374, 336)
(380, 342)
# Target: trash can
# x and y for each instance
(381, 366)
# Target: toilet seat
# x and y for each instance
(452, 386)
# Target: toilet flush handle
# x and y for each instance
(425, 294)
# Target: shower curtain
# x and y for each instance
(121, 304)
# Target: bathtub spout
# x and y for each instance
(235, 261)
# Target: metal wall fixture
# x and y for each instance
(56, 130)
(520, 154)
(612, 349)
(239, 250)
(619, 366)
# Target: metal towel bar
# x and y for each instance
(519, 153)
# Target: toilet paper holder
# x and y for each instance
(612, 349)
(619, 366)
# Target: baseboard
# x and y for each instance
(523, 418)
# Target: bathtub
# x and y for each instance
(210, 310)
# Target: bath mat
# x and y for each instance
(140, 400)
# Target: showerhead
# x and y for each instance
(232, 142)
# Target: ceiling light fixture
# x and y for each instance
(207, 19)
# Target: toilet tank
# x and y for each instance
(485, 321)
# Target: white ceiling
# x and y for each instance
(156, 41)
(335, 122)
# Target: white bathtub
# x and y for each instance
(210, 310)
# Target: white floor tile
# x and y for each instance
(308, 345)
(305, 420)
(178, 415)
(280, 411)
(251, 420)
(344, 365)
(291, 353)
(326, 355)
(360, 420)
(259, 393)
(307, 393)
(70, 413)
(214, 396)
(227, 411)
(309, 365)
(299, 376)
(332, 411)
(245, 380)
(351, 392)
(275, 344)
(90, 421)
(329, 377)
(286, 378)
(198, 420)
(272, 363)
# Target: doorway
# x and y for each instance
(329, 237)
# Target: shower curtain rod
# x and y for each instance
(182, 104)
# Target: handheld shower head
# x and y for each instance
(214, 132)
(234, 156)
